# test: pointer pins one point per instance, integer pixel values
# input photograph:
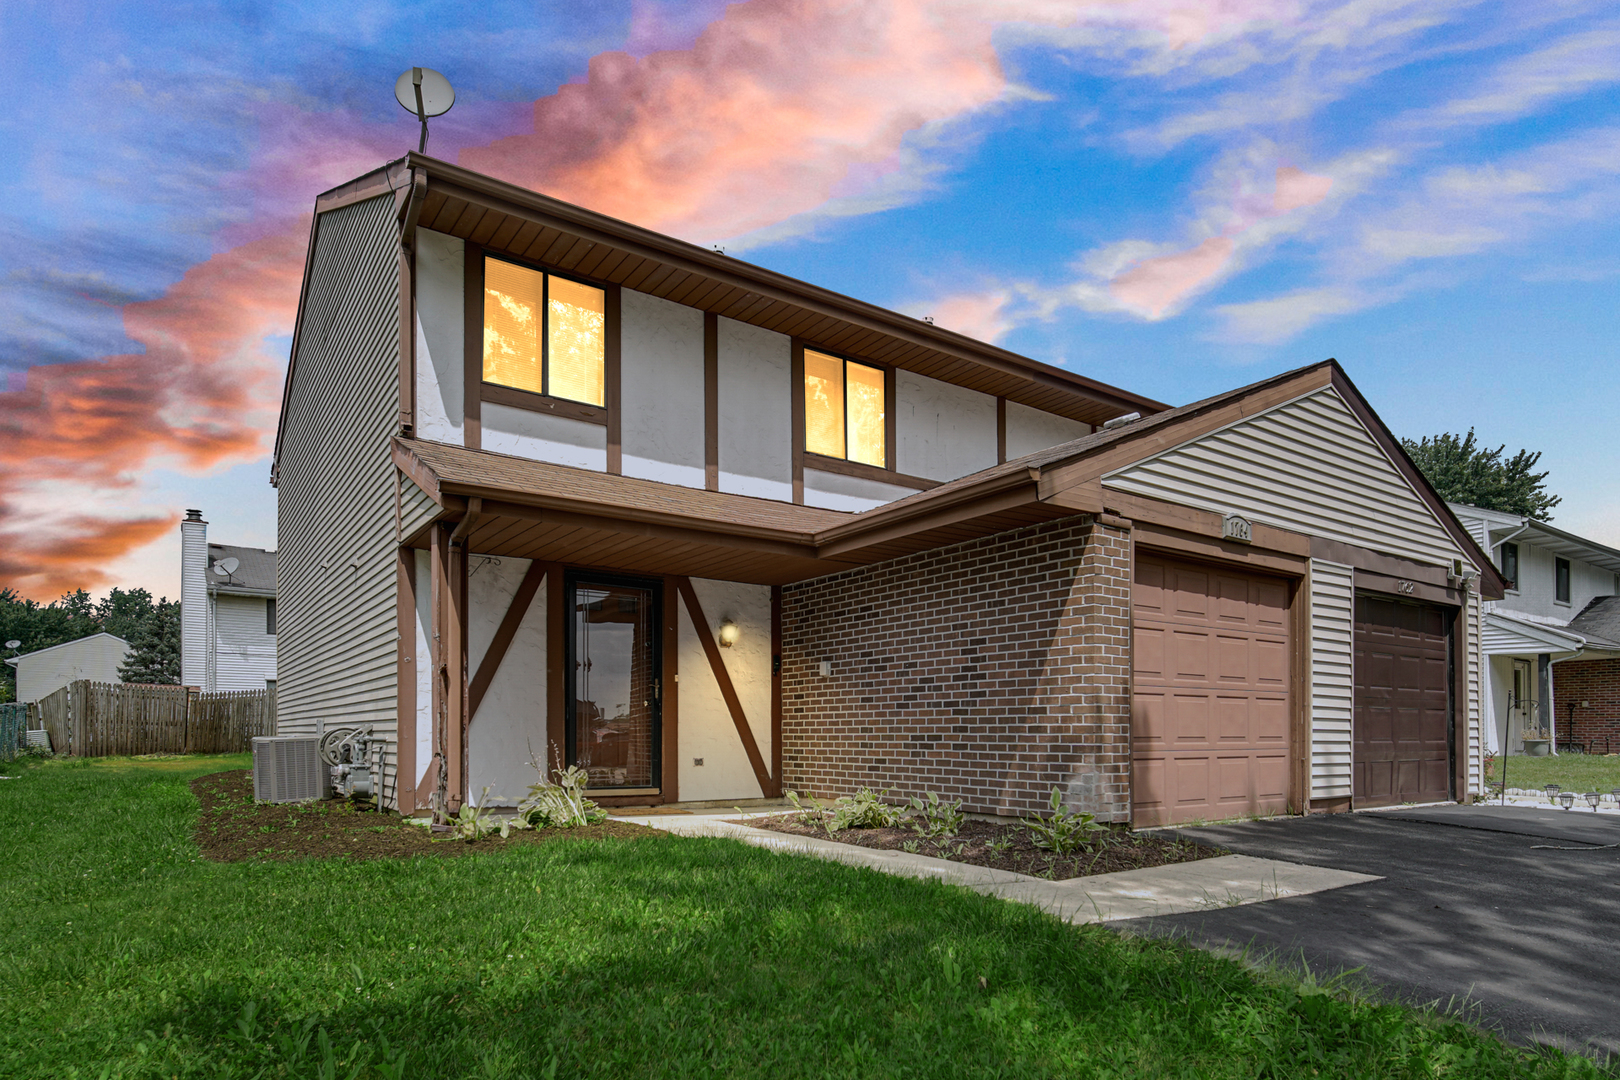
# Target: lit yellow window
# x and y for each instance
(543, 333)
(843, 409)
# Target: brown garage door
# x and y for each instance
(1209, 725)
(1403, 702)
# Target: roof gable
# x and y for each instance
(1309, 465)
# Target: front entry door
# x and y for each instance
(613, 702)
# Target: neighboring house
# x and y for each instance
(45, 671)
(227, 612)
(1553, 639)
(553, 485)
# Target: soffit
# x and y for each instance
(542, 230)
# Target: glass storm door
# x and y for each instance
(614, 703)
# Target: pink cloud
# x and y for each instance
(1297, 188)
(978, 315)
(1154, 285)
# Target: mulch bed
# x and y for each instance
(1112, 849)
(234, 828)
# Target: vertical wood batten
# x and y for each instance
(472, 351)
(711, 401)
(612, 377)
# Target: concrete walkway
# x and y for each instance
(1205, 885)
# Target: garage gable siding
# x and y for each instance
(1333, 601)
(1308, 465)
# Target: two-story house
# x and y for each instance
(557, 487)
(1551, 644)
(227, 612)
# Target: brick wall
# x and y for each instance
(989, 671)
(1597, 682)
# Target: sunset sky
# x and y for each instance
(1174, 196)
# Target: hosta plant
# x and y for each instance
(934, 817)
(1065, 831)
(559, 803)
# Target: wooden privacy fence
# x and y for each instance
(91, 719)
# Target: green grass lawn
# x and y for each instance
(1572, 772)
(126, 955)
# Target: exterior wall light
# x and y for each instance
(729, 634)
(1567, 798)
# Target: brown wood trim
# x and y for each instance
(1015, 491)
(556, 677)
(472, 348)
(711, 401)
(1333, 804)
(1406, 588)
(864, 471)
(490, 194)
(1001, 431)
(669, 717)
(891, 423)
(1377, 562)
(419, 474)
(718, 665)
(542, 403)
(456, 651)
(1153, 535)
(776, 692)
(406, 773)
(1459, 699)
(1204, 523)
(612, 375)
(510, 622)
(391, 177)
(1299, 632)
(407, 342)
(796, 352)
(1492, 585)
(437, 602)
(751, 541)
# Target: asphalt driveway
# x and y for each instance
(1477, 904)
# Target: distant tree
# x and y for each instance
(1462, 471)
(154, 645)
(122, 613)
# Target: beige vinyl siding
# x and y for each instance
(416, 508)
(1333, 599)
(244, 656)
(336, 620)
(1307, 465)
(1475, 741)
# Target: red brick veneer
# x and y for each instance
(1596, 682)
(989, 671)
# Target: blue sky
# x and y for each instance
(1174, 197)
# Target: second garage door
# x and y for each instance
(1210, 715)
(1403, 703)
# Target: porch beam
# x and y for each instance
(727, 691)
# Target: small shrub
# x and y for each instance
(559, 803)
(811, 815)
(1065, 831)
(936, 817)
(863, 810)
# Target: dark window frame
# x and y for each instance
(545, 401)
(889, 449)
(1509, 560)
(1561, 580)
(270, 616)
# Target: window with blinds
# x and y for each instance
(844, 409)
(543, 333)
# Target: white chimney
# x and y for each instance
(194, 599)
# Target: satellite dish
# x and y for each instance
(226, 567)
(426, 93)
(13, 643)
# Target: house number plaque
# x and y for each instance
(1236, 527)
(1406, 588)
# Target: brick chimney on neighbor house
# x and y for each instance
(194, 599)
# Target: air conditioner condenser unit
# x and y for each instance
(288, 768)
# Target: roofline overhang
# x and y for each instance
(12, 660)
(241, 590)
(1567, 543)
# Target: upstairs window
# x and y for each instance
(270, 616)
(1561, 580)
(1510, 565)
(844, 410)
(543, 333)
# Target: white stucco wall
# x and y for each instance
(424, 665)
(510, 725)
(942, 431)
(440, 340)
(755, 372)
(661, 389)
(833, 491)
(1030, 430)
(244, 655)
(706, 727)
(541, 437)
